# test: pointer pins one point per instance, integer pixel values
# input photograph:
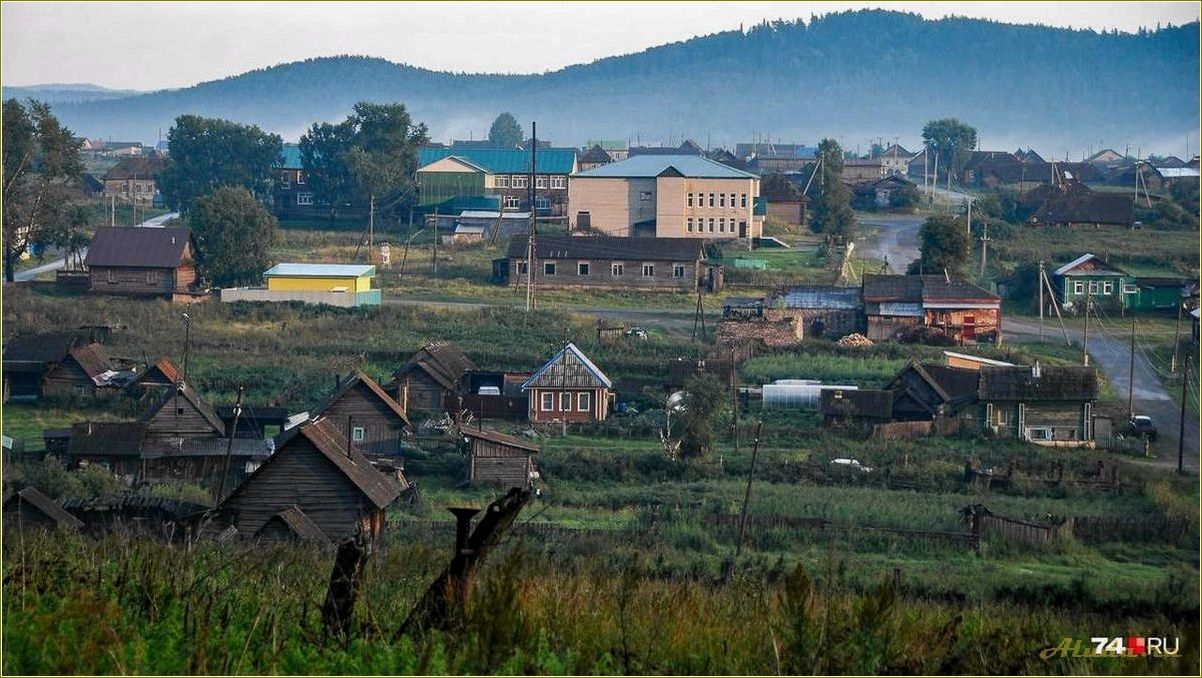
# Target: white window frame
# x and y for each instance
(502, 181)
(512, 201)
(732, 200)
(721, 224)
(540, 181)
(300, 178)
(722, 200)
(1093, 286)
(1130, 288)
(542, 202)
(559, 181)
(549, 268)
(711, 224)
(648, 270)
(304, 198)
(678, 270)
(711, 199)
(1107, 287)
(583, 268)
(689, 224)
(1078, 287)
(583, 401)
(547, 401)
(520, 181)
(617, 269)
(743, 200)
(358, 434)
(689, 200)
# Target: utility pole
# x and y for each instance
(1181, 423)
(984, 243)
(1176, 339)
(968, 222)
(187, 344)
(1040, 285)
(530, 249)
(755, 450)
(1085, 339)
(1131, 375)
(113, 210)
(371, 228)
(434, 252)
(229, 449)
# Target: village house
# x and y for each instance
(565, 262)
(161, 374)
(614, 148)
(494, 458)
(895, 159)
(370, 421)
(865, 405)
(930, 392)
(445, 174)
(593, 157)
(59, 364)
(856, 170)
(29, 509)
(768, 157)
(144, 262)
(1085, 208)
(880, 193)
(313, 477)
(1089, 276)
(432, 376)
(1047, 405)
(666, 196)
(134, 179)
(569, 388)
(292, 197)
(343, 285)
(824, 310)
(686, 147)
(895, 304)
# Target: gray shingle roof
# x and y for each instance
(138, 247)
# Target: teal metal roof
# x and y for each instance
(505, 160)
(292, 157)
(648, 166)
(319, 271)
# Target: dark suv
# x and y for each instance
(1141, 426)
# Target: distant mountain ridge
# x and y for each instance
(54, 93)
(857, 75)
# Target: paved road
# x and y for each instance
(33, 273)
(896, 241)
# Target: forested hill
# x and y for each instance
(856, 74)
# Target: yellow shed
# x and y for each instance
(351, 278)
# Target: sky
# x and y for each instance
(152, 45)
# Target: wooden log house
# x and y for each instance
(144, 262)
(372, 422)
(430, 377)
(569, 388)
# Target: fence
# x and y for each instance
(1123, 528)
(342, 299)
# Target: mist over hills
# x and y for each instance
(856, 75)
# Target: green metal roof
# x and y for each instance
(292, 157)
(505, 160)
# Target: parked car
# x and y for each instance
(1141, 426)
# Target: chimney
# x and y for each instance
(1036, 370)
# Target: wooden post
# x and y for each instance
(338, 609)
(229, 449)
(755, 449)
(1181, 423)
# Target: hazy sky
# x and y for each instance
(152, 45)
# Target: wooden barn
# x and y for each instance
(432, 375)
(369, 419)
(291, 524)
(29, 509)
(569, 388)
(162, 373)
(856, 405)
(494, 458)
(896, 304)
(112, 445)
(30, 359)
(314, 474)
(85, 372)
(1047, 405)
(144, 262)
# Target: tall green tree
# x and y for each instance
(324, 150)
(41, 158)
(505, 132)
(944, 245)
(704, 404)
(204, 153)
(830, 208)
(234, 234)
(951, 140)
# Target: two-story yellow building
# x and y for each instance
(666, 196)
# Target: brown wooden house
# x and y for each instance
(161, 374)
(144, 262)
(1047, 405)
(56, 363)
(897, 304)
(926, 391)
(611, 262)
(314, 473)
(86, 372)
(856, 405)
(569, 387)
(134, 179)
(369, 419)
(433, 374)
(494, 458)
(29, 509)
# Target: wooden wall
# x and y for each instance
(137, 281)
(417, 392)
(361, 408)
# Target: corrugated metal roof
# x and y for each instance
(648, 166)
(608, 247)
(1178, 172)
(506, 160)
(319, 271)
(820, 297)
(292, 157)
(900, 309)
(570, 349)
(482, 214)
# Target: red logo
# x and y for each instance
(1136, 646)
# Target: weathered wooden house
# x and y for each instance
(58, 364)
(313, 473)
(1085, 209)
(494, 458)
(29, 509)
(433, 374)
(144, 262)
(856, 405)
(611, 262)
(134, 179)
(85, 372)
(926, 392)
(965, 313)
(1047, 405)
(140, 515)
(112, 445)
(824, 310)
(371, 422)
(569, 388)
(162, 374)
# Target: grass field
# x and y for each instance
(1147, 252)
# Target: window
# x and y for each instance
(285, 182)
(522, 267)
(689, 224)
(548, 401)
(721, 224)
(559, 181)
(503, 181)
(1129, 288)
(1093, 286)
(358, 434)
(542, 202)
(648, 270)
(540, 181)
(1108, 287)
(300, 178)
(721, 200)
(582, 268)
(645, 196)
(732, 200)
(512, 202)
(304, 198)
(150, 277)
(179, 411)
(565, 401)
(111, 276)
(616, 269)
(548, 268)
(689, 200)
(1078, 287)
(520, 181)
(742, 200)
(1039, 433)
(678, 271)
(711, 199)
(711, 224)
(583, 401)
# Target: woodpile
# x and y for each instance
(855, 339)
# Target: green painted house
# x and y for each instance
(1158, 294)
(1090, 276)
